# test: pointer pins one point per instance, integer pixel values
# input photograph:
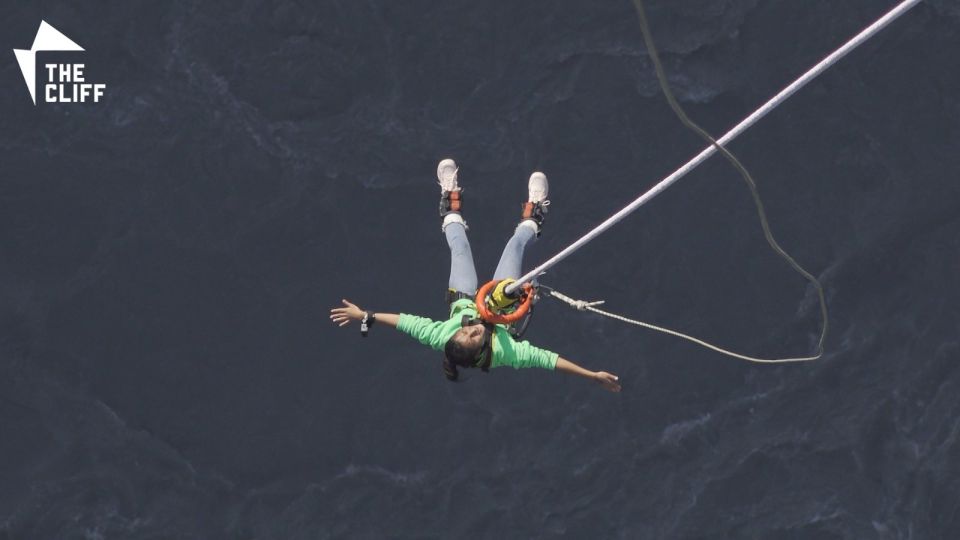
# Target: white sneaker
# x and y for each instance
(447, 175)
(536, 206)
(538, 188)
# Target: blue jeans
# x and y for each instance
(463, 274)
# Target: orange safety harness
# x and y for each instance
(489, 313)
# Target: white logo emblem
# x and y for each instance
(65, 82)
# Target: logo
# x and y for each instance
(65, 82)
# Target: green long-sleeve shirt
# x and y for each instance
(506, 350)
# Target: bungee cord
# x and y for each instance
(718, 145)
(591, 306)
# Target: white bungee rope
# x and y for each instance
(591, 306)
(713, 148)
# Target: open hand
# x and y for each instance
(343, 315)
(608, 380)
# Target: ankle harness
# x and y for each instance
(450, 201)
(535, 212)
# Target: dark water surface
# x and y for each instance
(169, 256)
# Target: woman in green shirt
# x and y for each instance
(465, 341)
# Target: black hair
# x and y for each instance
(457, 354)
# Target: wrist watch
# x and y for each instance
(367, 321)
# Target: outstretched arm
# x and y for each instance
(343, 315)
(433, 334)
(608, 380)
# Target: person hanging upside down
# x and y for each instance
(466, 341)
